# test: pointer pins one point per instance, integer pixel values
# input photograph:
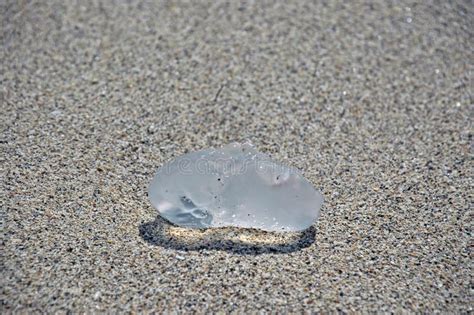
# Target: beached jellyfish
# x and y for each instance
(234, 186)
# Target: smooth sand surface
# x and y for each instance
(372, 101)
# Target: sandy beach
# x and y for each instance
(372, 101)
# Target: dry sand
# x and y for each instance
(372, 101)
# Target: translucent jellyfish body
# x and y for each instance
(234, 186)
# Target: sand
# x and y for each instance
(371, 101)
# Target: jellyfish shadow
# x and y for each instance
(161, 232)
